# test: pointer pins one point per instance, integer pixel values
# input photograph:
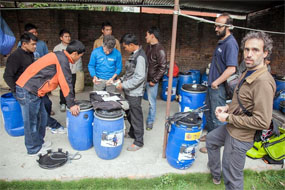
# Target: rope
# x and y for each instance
(231, 26)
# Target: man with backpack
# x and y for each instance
(249, 111)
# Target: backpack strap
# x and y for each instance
(244, 110)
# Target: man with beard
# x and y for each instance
(250, 110)
(224, 63)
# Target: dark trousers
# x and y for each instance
(51, 122)
(135, 118)
(62, 98)
(233, 157)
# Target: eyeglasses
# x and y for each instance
(218, 26)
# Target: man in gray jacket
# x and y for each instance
(133, 84)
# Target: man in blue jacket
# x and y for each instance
(105, 65)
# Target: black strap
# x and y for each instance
(244, 110)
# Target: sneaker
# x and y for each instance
(62, 107)
(149, 126)
(203, 150)
(48, 128)
(203, 138)
(133, 147)
(60, 130)
(216, 182)
(46, 146)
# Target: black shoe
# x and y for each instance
(149, 127)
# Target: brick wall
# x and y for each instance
(195, 41)
(272, 20)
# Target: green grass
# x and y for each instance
(268, 180)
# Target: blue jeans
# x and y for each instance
(214, 98)
(35, 119)
(151, 94)
(51, 122)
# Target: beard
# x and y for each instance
(254, 63)
(221, 34)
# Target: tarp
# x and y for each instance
(7, 38)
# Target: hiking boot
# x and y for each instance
(203, 138)
(203, 150)
(60, 130)
(62, 107)
(133, 147)
(216, 182)
(149, 126)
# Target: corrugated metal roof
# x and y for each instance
(232, 6)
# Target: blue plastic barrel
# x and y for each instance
(182, 144)
(193, 96)
(165, 88)
(184, 78)
(12, 115)
(280, 96)
(80, 134)
(204, 79)
(196, 74)
(108, 133)
(280, 83)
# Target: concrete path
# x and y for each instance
(145, 163)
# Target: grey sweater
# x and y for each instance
(134, 79)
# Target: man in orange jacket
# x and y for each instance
(39, 78)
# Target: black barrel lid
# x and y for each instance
(190, 121)
(194, 87)
(109, 114)
(84, 104)
(278, 77)
(185, 73)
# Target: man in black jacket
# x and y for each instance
(156, 68)
(17, 63)
(19, 60)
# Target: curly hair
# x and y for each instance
(268, 42)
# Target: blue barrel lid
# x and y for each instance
(194, 88)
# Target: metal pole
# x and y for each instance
(172, 56)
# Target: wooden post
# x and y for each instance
(172, 57)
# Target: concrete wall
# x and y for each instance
(195, 41)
